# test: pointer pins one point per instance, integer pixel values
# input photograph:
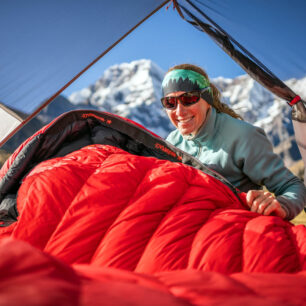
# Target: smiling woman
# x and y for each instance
(190, 85)
(187, 118)
(209, 130)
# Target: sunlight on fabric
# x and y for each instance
(9, 121)
(300, 132)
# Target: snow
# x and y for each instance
(133, 90)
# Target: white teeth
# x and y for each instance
(184, 120)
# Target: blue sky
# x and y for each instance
(167, 40)
(44, 44)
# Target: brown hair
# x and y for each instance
(217, 104)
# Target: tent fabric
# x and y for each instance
(238, 53)
(11, 119)
(41, 51)
(251, 28)
(214, 20)
(32, 277)
(38, 59)
(299, 125)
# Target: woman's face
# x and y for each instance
(188, 119)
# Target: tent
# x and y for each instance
(41, 54)
(99, 210)
(38, 61)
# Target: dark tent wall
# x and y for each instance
(273, 31)
(263, 37)
(45, 44)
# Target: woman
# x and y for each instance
(212, 132)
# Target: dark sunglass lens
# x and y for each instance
(169, 102)
(189, 99)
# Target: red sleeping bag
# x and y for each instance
(111, 227)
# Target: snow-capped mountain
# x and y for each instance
(130, 90)
(133, 90)
(261, 108)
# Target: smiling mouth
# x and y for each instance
(184, 120)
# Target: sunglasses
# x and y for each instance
(187, 99)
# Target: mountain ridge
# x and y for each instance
(133, 90)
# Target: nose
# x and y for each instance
(180, 109)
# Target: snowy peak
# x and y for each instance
(133, 90)
(130, 90)
(260, 107)
(127, 84)
(136, 73)
(246, 97)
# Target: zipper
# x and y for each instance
(199, 150)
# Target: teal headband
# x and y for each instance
(184, 80)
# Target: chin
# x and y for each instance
(186, 132)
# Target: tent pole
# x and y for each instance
(49, 100)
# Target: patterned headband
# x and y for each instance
(184, 80)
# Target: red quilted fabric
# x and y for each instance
(31, 277)
(105, 207)
(101, 226)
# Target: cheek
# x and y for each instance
(171, 115)
(197, 112)
(202, 111)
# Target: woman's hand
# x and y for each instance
(263, 202)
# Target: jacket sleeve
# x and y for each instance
(258, 161)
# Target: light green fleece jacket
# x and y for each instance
(243, 154)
